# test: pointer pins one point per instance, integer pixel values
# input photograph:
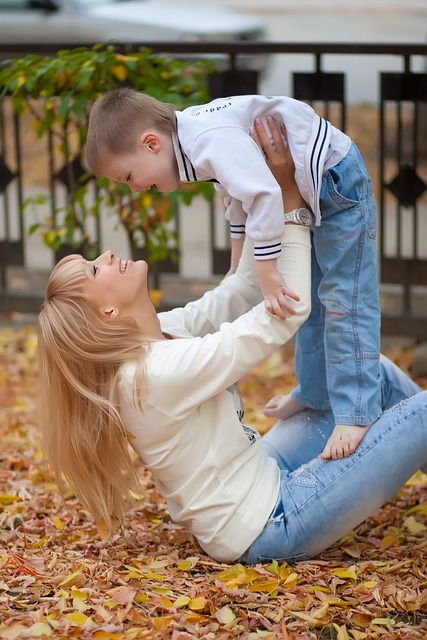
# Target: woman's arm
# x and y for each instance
(195, 370)
(240, 291)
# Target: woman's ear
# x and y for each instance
(110, 313)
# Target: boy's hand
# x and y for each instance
(274, 289)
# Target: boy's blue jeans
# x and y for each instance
(320, 501)
(337, 348)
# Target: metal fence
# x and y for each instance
(397, 121)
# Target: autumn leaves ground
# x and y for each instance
(60, 579)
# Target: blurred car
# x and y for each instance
(90, 21)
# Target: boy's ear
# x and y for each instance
(150, 140)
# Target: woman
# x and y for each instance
(113, 373)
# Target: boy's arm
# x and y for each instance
(236, 252)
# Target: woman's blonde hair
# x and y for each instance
(84, 439)
(117, 118)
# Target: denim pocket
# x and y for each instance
(336, 184)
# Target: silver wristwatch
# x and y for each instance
(299, 216)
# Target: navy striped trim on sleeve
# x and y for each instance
(237, 229)
(267, 252)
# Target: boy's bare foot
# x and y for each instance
(343, 441)
(282, 407)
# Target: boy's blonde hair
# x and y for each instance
(117, 118)
(84, 439)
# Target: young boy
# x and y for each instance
(135, 139)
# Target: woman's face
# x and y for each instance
(116, 286)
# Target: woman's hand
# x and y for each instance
(279, 159)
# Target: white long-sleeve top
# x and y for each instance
(213, 143)
(211, 468)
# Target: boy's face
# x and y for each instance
(152, 163)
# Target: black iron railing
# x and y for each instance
(398, 165)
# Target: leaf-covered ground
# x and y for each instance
(60, 579)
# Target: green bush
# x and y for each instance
(58, 92)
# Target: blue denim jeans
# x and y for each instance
(320, 501)
(337, 348)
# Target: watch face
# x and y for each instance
(304, 216)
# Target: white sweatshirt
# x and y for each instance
(217, 480)
(213, 143)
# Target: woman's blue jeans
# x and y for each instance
(320, 501)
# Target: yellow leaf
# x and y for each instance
(321, 611)
(413, 525)
(38, 629)
(370, 584)
(338, 603)
(311, 587)
(265, 585)
(61, 604)
(158, 564)
(291, 580)
(181, 601)
(383, 621)
(197, 604)
(107, 635)
(58, 524)
(147, 200)
(389, 541)
(341, 632)
(140, 598)
(419, 508)
(165, 602)
(77, 617)
(164, 590)
(229, 576)
(81, 595)
(40, 542)
(5, 498)
(74, 578)
(248, 576)
(285, 571)
(156, 576)
(79, 605)
(350, 572)
(119, 71)
(274, 568)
